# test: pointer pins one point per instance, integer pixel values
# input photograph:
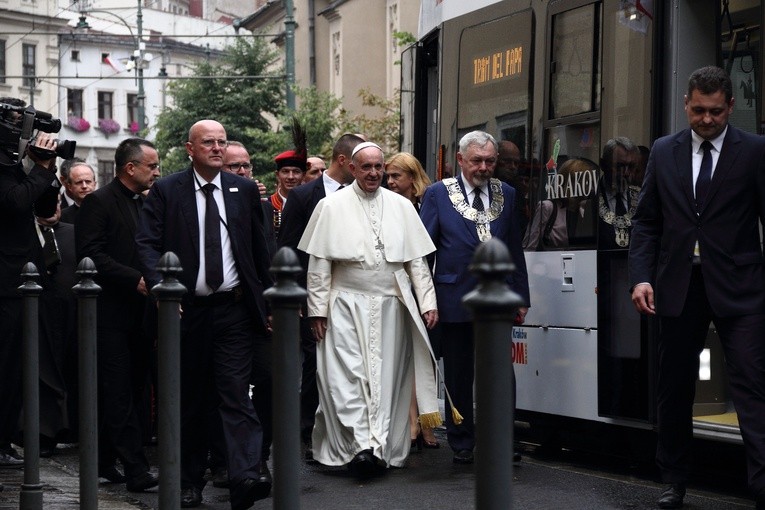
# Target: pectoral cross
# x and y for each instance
(379, 246)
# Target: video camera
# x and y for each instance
(17, 128)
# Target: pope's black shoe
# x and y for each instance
(364, 465)
(247, 492)
(191, 497)
(672, 497)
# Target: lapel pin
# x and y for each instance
(233, 190)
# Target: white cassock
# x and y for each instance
(367, 254)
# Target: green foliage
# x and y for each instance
(319, 113)
(238, 103)
(404, 38)
(245, 105)
(384, 129)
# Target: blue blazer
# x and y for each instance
(666, 226)
(456, 240)
(169, 222)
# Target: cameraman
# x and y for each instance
(23, 194)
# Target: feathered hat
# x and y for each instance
(296, 157)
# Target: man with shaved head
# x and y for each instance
(213, 221)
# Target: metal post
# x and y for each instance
(31, 490)
(87, 291)
(289, 53)
(285, 298)
(139, 70)
(494, 306)
(169, 293)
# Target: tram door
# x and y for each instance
(625, 361)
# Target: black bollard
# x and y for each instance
(285, 298)
(87, 291)
(494, 307)
(169, 293)
(31, 497)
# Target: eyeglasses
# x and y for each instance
(152, 166)
(236, 166)
(209, 143)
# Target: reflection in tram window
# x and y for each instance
(617, 198)
(566, 217)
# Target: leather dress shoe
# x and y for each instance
(517, 457)
(264, 474)
(463, 457)
(8, 460)
(672, 497)
(220, 478)
(112, 474)
(142, 482)
(191, 497)
(364, 465)
(247, 492)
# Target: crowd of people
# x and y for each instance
(385, 257)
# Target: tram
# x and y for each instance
(559, 79)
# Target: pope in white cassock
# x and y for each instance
(367, 247)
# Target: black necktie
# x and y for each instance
(704, 179)
(620, 209)
(213, 252)
(477, 202)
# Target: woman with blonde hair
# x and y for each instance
(407, 178)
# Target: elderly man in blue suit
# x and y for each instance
(460, 213)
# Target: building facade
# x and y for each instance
(343, 46)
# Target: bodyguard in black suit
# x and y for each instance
(213, 221)
(297, 211)
(696, 257)
(22, 195)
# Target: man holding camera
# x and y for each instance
(23, 194)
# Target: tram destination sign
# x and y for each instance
(494, 64)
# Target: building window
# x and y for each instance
(105, 106)
(74, 102)
(105, 172)
(75, 57)
(2, 60)
(132, 109)
(28, 64)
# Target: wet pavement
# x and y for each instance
(563, 479)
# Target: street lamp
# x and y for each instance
(136, 61)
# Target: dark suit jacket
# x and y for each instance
(666, 226)
(105, 231)
(169, 222)
(69, 214)
(295, 215)
(456, 240)
(21, 197)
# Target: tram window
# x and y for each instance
(563, 191)
(575, 66)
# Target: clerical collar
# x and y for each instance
(127, 191)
